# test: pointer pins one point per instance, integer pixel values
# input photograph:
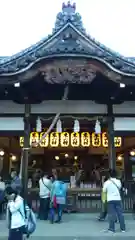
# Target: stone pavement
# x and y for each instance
(77, 227)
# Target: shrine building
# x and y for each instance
(88, 86)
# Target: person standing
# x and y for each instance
(112, 189)
(2, 195)
(96, 175)
(54, 174)
(57, 200)
(45, 186)
(16, 183)
(15, 214)
(103, 214)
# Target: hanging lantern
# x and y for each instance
(38, 125)
(59, 126)
(76, 126)
(97, 127)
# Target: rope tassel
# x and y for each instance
(59, 126)
(38, 125)
(76, 126)
(97, 127)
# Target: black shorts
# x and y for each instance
(16, 233)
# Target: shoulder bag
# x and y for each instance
(45, 185)
(121, 192)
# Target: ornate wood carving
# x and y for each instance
(68, 71)
(76, 71)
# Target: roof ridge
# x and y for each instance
(68, 15)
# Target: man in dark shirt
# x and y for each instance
(16, 183)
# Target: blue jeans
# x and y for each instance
(56, 212)
(115, 209)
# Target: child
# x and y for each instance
(57, 200)
(103, 214)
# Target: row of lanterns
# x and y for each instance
(74, 139)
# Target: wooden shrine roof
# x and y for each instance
(69, 41)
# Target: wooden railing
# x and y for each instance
(86, 200)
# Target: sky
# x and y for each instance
(25, 22)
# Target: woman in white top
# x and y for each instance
(15, 215)
(45, 186)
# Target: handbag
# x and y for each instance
(104, 197)
(55, 201)
(30, 220)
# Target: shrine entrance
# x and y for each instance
(68, 152)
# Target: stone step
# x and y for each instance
(77, 227)
(107, 237)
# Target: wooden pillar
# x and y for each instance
(25, 155)
(127, 166)
(5, 161)
(111, 135)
